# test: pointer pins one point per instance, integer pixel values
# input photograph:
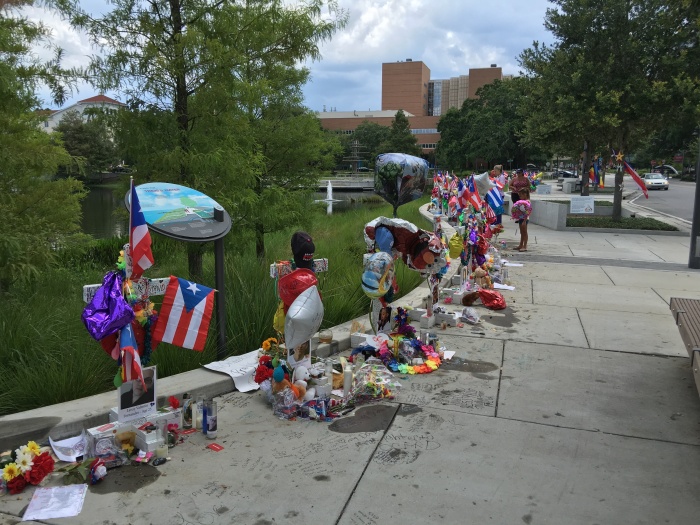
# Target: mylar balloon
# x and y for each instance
(291, 285)
(304, 318)
(483, 183)
(400, 178)
(378, 275)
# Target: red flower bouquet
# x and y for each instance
(30, 466)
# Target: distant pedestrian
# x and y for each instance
(519, 182)
(521, 214)
(500, 179)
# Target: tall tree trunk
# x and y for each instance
(617, 197)
(194, 251)
(259, 225)
(585, 180)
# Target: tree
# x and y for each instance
(199, 74)
(91, 141)
(38, 214)
(370, 135)
(614, 65)
(488, 127)
(400, 138)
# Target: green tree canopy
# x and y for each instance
(400, 138)
(611, 77)
(201, 76)
(91, 141)
(370, 135)
(38, 214)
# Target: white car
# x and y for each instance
(655, 181)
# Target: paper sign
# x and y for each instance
(188, 431)
(215, 447)
(448, 354)
(136, 402)
(69, 449)
(519, 265)
(241, 368)
(499, 286)
(582, 205)
(56, 502)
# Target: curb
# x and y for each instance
(68, 419)
(622, 230)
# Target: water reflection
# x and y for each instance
(99, 207)
(103, 201)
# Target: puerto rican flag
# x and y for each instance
(630, 171)
(473, 193)
(131, 362)
(139, 238)
(185, 314)
(495, 201)
(462, 196)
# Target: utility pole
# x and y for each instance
(694, 259)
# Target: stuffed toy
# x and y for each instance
(482, 278)
(301, 377)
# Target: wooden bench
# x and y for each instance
(686, 312)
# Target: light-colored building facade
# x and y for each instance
(101, 102)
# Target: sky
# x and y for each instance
(449, 36)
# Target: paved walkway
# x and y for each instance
(575, 405)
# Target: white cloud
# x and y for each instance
(450, 36)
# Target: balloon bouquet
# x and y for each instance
(284, 373)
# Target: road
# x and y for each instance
(677, 201)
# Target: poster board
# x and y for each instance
(582, 205)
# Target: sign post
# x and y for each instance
(188, 215)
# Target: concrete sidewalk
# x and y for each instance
(575, 405)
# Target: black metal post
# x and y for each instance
(220, 298)
(694, 259)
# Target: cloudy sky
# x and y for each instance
(450, 36)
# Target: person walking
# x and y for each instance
(521, 214)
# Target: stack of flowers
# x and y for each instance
(28, 466)
(394, 362)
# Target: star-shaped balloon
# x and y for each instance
(620, 156)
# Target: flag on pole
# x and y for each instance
(473, 193)
(462, 197)
(495, 201)
(139, 238)
(185, 315)
(630, 171)
(131, 362)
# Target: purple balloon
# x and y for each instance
(480, 259)
(107, 312)
(473, 238)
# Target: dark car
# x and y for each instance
(564, 174)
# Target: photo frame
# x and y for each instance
(135, 399)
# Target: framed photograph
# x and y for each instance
(300, 355)
(138, 399)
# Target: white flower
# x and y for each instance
(22, 450)
(24, 462)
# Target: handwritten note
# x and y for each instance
(241, 368)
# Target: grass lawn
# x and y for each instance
(627, 223)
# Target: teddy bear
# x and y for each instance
(280, 382)
(482, 278)
(301, 377)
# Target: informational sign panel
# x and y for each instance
(180, 212)
(582, 205)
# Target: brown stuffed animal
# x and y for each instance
(482, 278)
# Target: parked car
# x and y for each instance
(564, 174)
(665, 169)
(532, 167)
(655, 181)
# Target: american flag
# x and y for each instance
(131, 362)
(185, 315)
(139, 238)
(490, 214)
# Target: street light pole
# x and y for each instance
(694, 259)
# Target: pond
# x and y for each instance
(104, 214)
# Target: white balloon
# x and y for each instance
(483, 183)
(304, 318)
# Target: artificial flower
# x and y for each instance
(10, 471)
(16, 485)
(33, 448)
(24, 462)
(44, 462)
(34, 476)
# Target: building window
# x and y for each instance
(428, 146)
(46, 123)
(424, 131)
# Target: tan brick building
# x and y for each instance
(407, 85)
